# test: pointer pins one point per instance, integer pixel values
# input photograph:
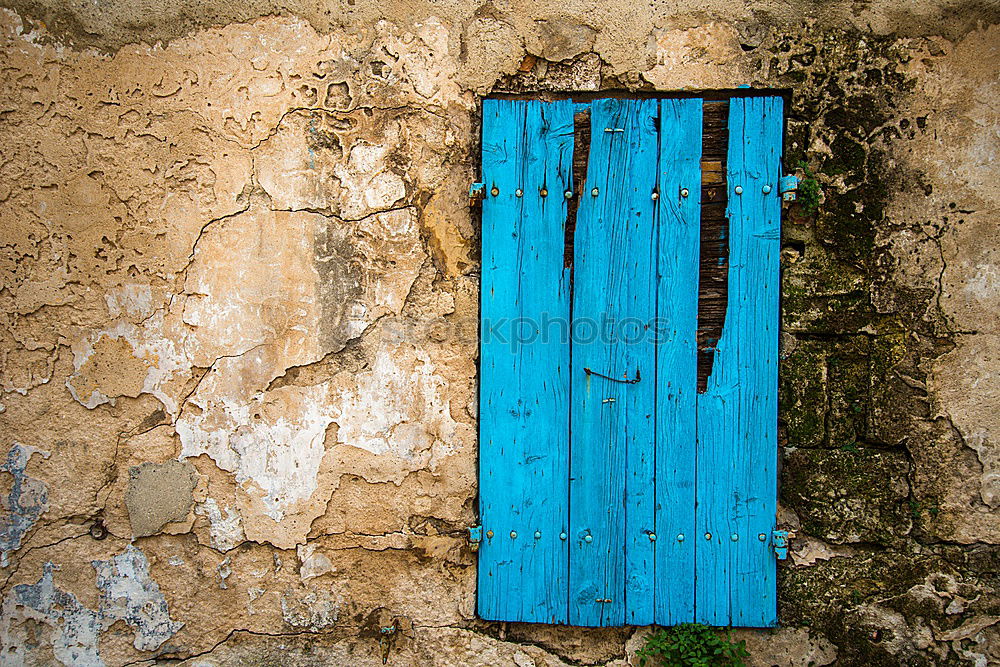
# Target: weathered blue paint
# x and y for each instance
(614, 296)
(678, 221)
(524, 401)
(737, 415)
(628, 450)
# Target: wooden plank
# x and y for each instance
(678, 220)
(737, 414)
(612, 421)
(524, 379)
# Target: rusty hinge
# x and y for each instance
(386, 635)
(788, 185)
(476, 192)
(475, 537)
(780, 540)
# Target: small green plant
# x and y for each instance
(808, 191)
(692, 645)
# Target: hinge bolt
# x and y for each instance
(538, 534)
(595, 192)
(766, 189)
(495, 191)
(738, 189)
(518, 192)
(543, 192)
(513, 534)
(684, 192)
(588, 538)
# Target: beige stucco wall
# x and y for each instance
(239, 332)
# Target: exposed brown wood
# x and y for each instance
(581, 153)
(713, 276)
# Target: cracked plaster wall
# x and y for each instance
(247, 248)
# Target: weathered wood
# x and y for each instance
(713, 278)
(737, 414)
(612, 420)
(608, 436)
(676, 358)
(581, 154)
(524, 415)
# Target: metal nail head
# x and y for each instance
(538, 534)
(595, 192)
(518, 193)
(562, 536)
(495, 191)
(680, 537)
(684, 192)
(708, 536)
(543, 192)
(655, 195)
(735, 537)
(588, 538)
(766, 189)
(568, 194)
(652, 537)
(762, 537)
(739, 189)
(489, 534)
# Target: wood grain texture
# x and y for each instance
(676, 358)
(596, 454)
(524, 415)
(737, 414)
(713, 279)
(611, 491)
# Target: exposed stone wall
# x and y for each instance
(238, 343)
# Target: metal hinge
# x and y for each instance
(475, 537)
(788, 185)
(476, 191)
(780, 540)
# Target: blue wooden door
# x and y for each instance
(611, 491)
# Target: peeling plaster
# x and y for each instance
(75, 629)
(260, 226)
(127, 593)
(225, 525)
(26, 502)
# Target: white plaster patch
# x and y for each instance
(129, 594)
(133, 300)
(75, 628)
(224, 525)
(984, 284)
(313, 564)
(398, 407)
(158, 351)
(315, 610)
(274, 443)
(369, 186)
